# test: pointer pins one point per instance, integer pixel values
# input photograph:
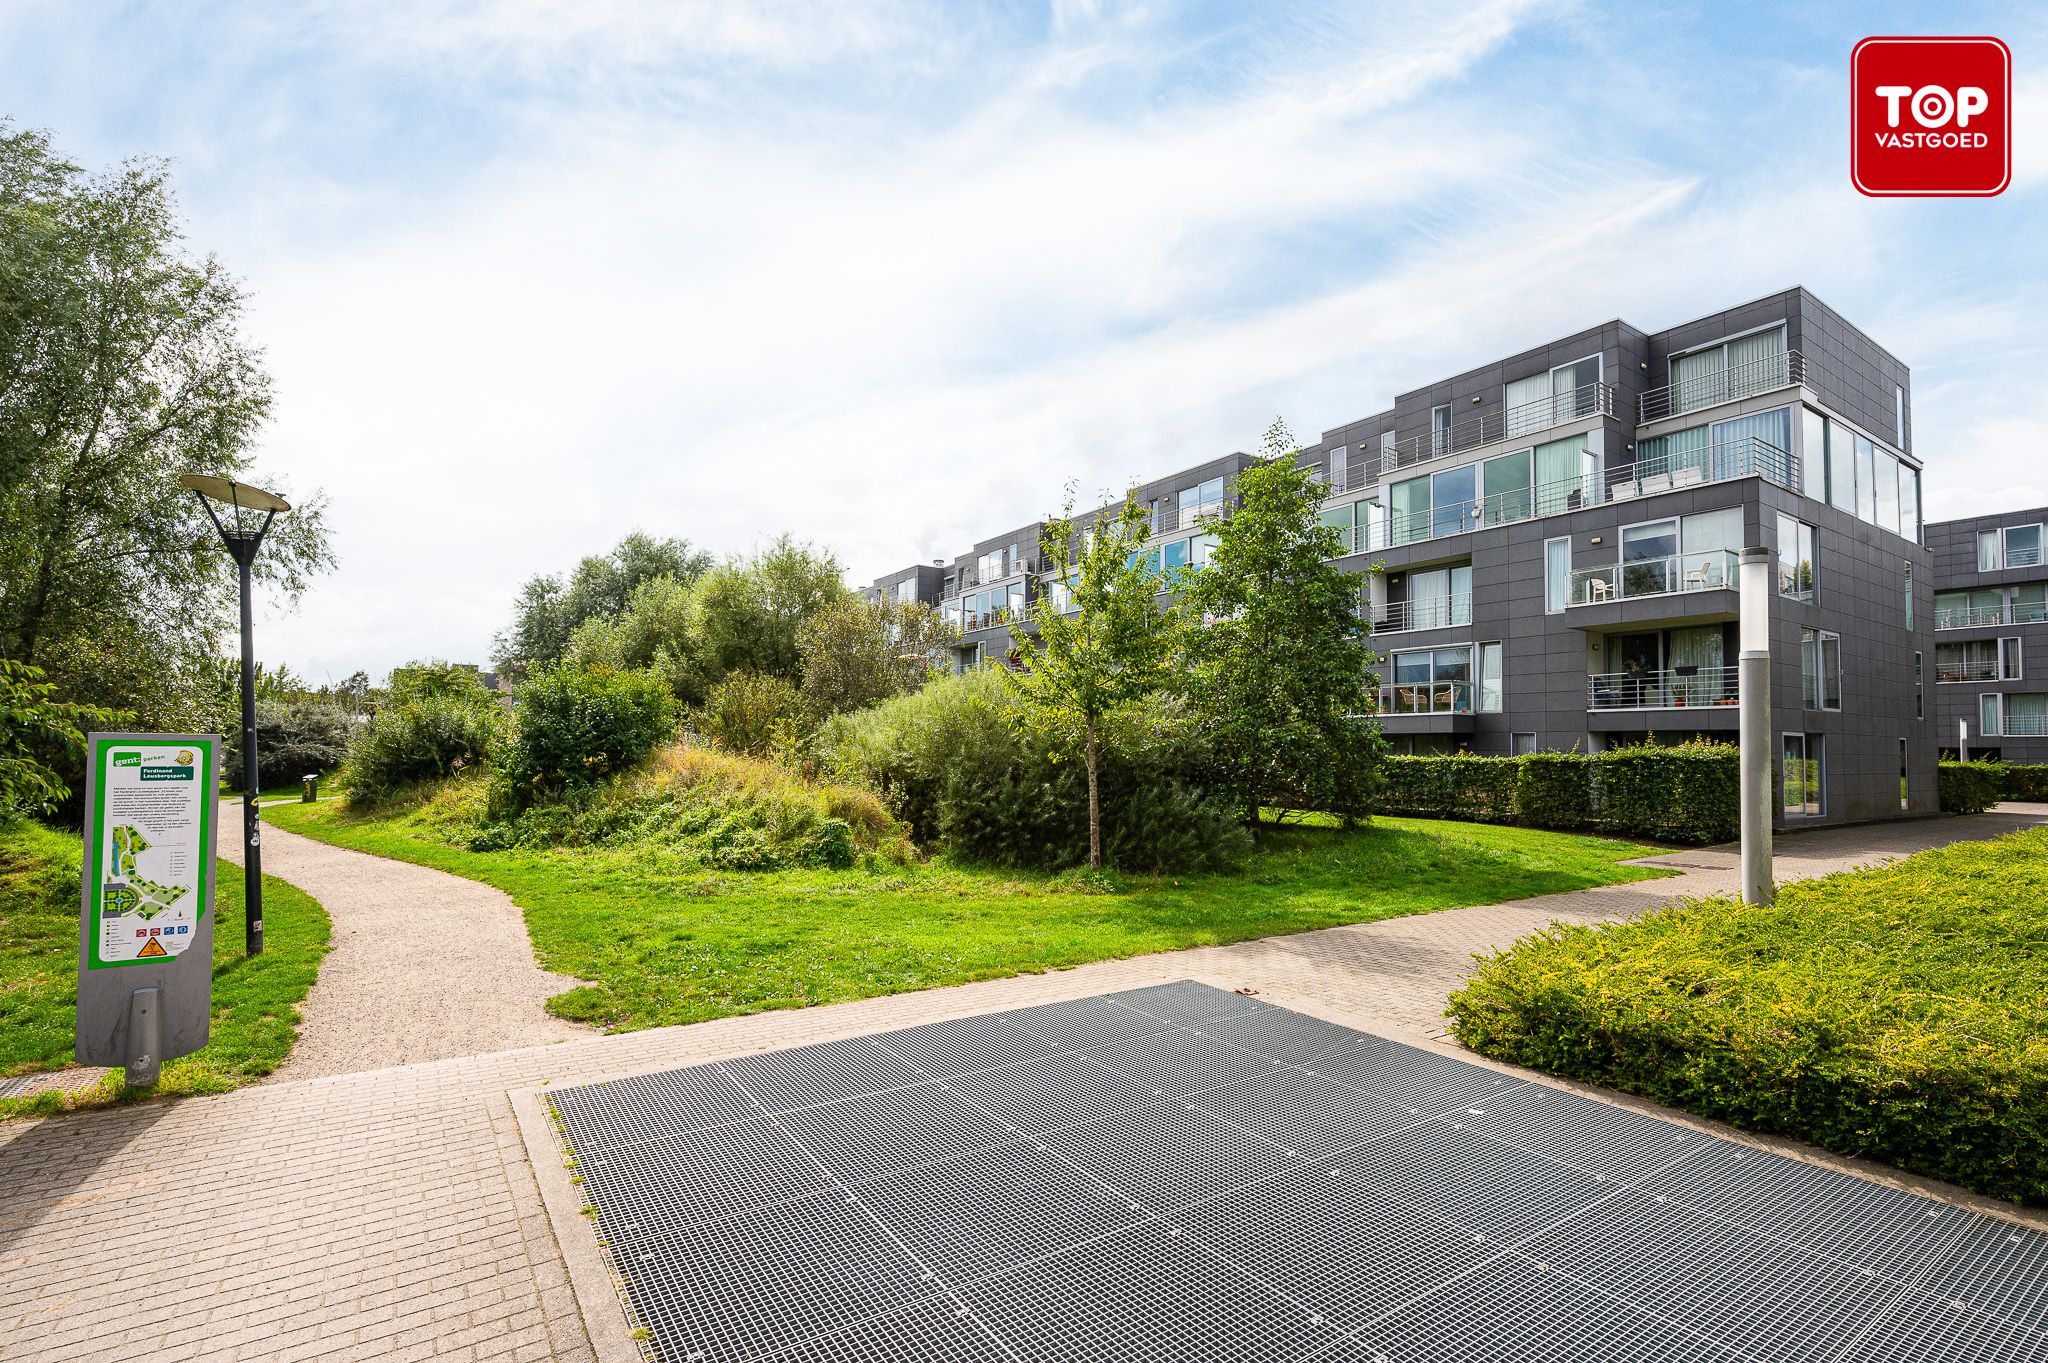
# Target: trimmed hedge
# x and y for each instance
(1970, 787)
(2025, 782)
(1894, 1014)
(1680, 792)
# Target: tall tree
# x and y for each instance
(748, 611)
(857, 653)
(122, 365)
(1278, 666)
(549, 609)
(1099, 644)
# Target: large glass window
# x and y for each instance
(1734, 369)
(1987, 715)
(1887, 492)
(1340, 469)
(989, 567)
(1452, 498)
(1557, 574)
(1841, 467)
(1800, 775)
(1866, 479)
(1563, 472)
(2026, 714)
(1909, 502)
(1971, 660)
(1431, 681)
(1813, 454)
(1204, 499)
(1504, 488)
(1199, 548)
(1528, 405)
(1342, 519)
(1795, 558)
(1757, 443)
(1173, 556)
(1410, 502)
(1647, 554)
(1489, 678)
(2022, 546)
(1820, 669)
(2030, 603)
(1438, 597)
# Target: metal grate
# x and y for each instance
(1180, 1172)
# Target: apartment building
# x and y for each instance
(1547, 543)
(1991, 634)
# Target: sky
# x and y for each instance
(886, 277)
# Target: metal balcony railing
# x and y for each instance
(2022, 726)
(1723, 461)
(1426, 698)
(1975, 670)
(1671, 688)
(1672, 575)
(1491, 428)
(972, 620)
(2005, 613)
(1747, 380)
(2022, 558)
(1438, 612)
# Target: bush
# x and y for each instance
(961, 779)
(420, 739)
(2024, 782)
(294, 739)
(753, 714)
(1893, 1013)
(1971, 787)
(1682, 792)
(574, 726)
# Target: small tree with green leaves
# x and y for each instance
(1100, 642)
(1278, 668)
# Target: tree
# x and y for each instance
(1277, 660)
(1099, 645)
(548, 611)
(748, 611)
(122, 366)
(857, 653)
(42, 739)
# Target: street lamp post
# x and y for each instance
(1753, 691)
(243, 537)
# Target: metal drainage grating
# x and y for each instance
(1182, 1173)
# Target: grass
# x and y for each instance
(663, 939)
(255, 1013)
(1897, 1013)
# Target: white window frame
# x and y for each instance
(1996, 540)
(1488, 678)
(1812, 748)
(1440, 435)
(2009, 668)
(1997, 700)
(1564, 600)
(1671, 360)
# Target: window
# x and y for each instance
(2030, 603)
(2009, 660)
(1887, 491)
(1489, 678)
(1841, 467)
(1386, 450)
(2022, 546)
(1204, 499)
(1557, 574)
(1909, 502)
(1795, 558)
(1198, 550)
(1521, 745)
(1813, 454)
(2026, 714)
(1431, 681)
(989, 568)
(1820, 669)
(1453, 498)
(1564, 473)
(1440, 430)
(1758, 443)
(1438, 597)
(1919, 686)
(1899, 415)
(1563, 393)
(1866, 479)
(1410, 502)
(1904, 773)
(1909, 596)
(1990, 551)
(1727, 370)
(1800, 775)
(1648, 553)
(1504, 490)
(1987, 715)
(1173, 556)
(1975, 660)
(906, 591)
(1340, 469)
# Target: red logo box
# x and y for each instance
(1930, 117)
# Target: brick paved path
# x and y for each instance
(393, 1214)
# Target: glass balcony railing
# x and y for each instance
(1430, 613)
(1672, 575)
(1722, 461)
(1671, 688)
(1426, 698)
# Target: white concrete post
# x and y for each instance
(1753, 679)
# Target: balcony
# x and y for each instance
(2005, 613)
(1492, 428)
(1673, 575)
(1671, 688)
(2021, 726)
(1440, 612)
(1766, 375)
(1426, 698)
(1980, 670)
(1721, 462)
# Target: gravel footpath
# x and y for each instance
(425, 966)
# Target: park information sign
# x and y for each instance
(145, 950)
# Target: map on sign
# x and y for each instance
(151, 809)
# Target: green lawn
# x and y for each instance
(255, 1015)
(1898, 1013)
(664, 942)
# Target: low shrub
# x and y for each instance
(2025, 782)
(1676, 792)
(754, 714)
(960, 778)
(423, 738)
(1895, 1013)
(1971, 787)
(574, 726)
(709, 808)
(294, 739)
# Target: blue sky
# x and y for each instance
(531, 274)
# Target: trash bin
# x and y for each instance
(312, 785)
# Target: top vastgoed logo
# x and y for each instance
(1930, 117)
